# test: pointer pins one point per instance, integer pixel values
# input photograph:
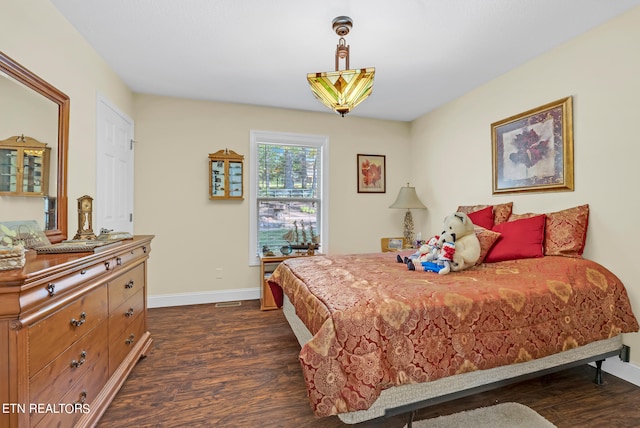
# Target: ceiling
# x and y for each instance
(426, 52)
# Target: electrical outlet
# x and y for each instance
(218, 273)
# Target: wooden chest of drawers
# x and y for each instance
(72, 327)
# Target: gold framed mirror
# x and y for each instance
(31, 81)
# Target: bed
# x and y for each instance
(378, 339)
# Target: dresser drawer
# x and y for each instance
(84, 392)
(49, 290)
(126, 285)
(125, 341)
(55, 379)
(122, 259)
(55, 333)
(124, 315)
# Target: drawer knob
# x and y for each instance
(107, 265)
(129, 313)
(83, 397)
(51, 288)
(130, 340)
(78, 363)
(129, 284)
(119, 261)
(83, 271)
(78, 323)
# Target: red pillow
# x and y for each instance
(483, 217)
(520, 239)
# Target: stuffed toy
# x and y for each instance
(455, 249)
(444, 258)
(467, 245)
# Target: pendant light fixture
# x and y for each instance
(342, 90)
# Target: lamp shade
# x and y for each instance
(342, 90)
(408, 199)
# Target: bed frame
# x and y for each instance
(406, 399)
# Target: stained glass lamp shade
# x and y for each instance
(342, 90)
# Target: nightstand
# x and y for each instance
(267, 265)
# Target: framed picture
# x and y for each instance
(396, 243)
(533, 151)
(372, 175)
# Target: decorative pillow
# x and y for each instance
(565, 231)
(501, 212)
(520, 239)
(483, 217)
(487, 238)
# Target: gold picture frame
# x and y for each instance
(533, 151)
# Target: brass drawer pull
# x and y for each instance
(107, 265)
(119, 261)
(51, 288)
(78, 363)
(130, 340)
(129, 284)
(83, 271)
(83, 397)
(129, 313)
(78, 323)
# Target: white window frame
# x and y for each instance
(284, 138)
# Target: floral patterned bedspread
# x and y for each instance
(376, 324)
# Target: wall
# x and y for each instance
(34, 34)
(600, 70)
(201, 246)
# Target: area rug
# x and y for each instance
(505, 415)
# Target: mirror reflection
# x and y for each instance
(34, 113)
(27, 113)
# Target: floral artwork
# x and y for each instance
(371, 174)
(533, 151)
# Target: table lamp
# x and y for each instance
(408, 199)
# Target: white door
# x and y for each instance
(114, 193)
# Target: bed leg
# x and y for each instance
(599, 372)
(412, 414)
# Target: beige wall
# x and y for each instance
(198, 240)
(34, 34)
(600, 70)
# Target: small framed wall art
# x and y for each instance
(533, 151)
(372, 175)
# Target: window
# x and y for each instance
(288, 185)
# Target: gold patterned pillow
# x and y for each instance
(487, 238)
(565, 231)
(501, 212)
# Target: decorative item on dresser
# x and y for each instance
(72, 327)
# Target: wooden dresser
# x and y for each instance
(72, 327)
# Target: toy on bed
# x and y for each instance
(455, 249)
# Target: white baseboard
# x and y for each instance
(181, 299)
(612, 365)
(625, 371)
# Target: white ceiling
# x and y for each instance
(426, 52)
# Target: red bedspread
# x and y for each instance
(376, 324)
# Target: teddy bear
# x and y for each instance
(455, 249)
(466, 242)
(441, 261)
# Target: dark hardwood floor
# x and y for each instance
(238, 367)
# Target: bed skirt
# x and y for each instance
(395, 400)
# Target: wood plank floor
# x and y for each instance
(238, 367)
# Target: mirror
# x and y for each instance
(31, 82)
